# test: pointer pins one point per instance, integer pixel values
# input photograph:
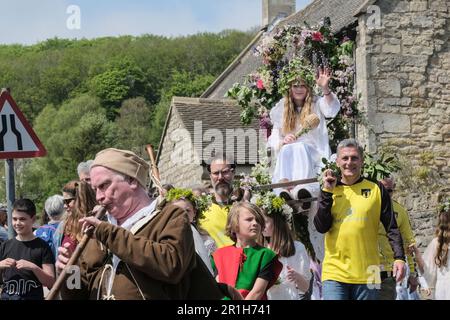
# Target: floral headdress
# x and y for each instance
(297, 69)
(318, 47)
(180, 194)
(272, 204)
(200, 203)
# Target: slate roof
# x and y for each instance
(219, 114)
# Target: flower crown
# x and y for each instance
(180, 194)
(296, 69)
(201, 203)
(272, 204)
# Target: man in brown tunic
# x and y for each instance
(142, 252)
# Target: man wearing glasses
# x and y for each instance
(388, 283)
(221, 171)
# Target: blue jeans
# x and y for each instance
(334, 290)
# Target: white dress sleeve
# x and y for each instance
(329, 110)
(302, 258)
(430, 267)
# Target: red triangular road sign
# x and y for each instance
(17, 138)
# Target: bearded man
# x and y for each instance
(214, 219)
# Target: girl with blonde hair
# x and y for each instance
(299, 135)
(247, 266)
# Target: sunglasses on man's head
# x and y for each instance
(67, 201)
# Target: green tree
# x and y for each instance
(71, 134)
(123, 79)
(133, 125)
(185, 84)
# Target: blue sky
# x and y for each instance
(31, 21)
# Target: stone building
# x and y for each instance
(196, 129)
(402, 59)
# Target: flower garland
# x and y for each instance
(291, 51)
(200, 203)
(272, 204)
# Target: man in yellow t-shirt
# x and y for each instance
(388, 284)
(349, 213)
(214, 219)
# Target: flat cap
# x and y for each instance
(123, 161)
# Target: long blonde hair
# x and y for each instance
(291, 117)
(85, 201)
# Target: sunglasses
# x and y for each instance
(67, 201)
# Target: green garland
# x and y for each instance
(200, 203)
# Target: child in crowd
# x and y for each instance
(295, 276)
(26, 262)
(247, 266)
(204, 244)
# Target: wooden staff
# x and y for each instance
(74, 258)
(154, 168)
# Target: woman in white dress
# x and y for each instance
(300, 157)
(294, 279)
(435, 263)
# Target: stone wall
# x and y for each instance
(403, 74)
(176, 162)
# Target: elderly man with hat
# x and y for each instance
(141, 253)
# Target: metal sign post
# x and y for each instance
(17, 140)
(10, 194)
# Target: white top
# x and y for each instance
(201, 249)
(286, 290)
(318, 137)
(439, 278)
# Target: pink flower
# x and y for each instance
(260, 84)
(317, 36)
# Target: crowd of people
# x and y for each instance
(211, 244)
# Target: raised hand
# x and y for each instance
(329, 179)
(323, 78)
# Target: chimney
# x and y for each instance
(276, 9)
